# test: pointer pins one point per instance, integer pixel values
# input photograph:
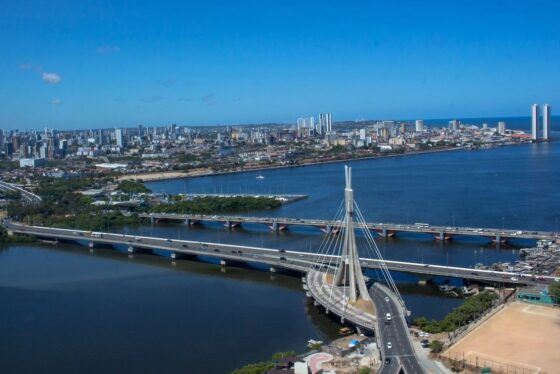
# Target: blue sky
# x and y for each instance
(73, 64)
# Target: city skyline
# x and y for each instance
(70, 66)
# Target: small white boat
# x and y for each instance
(260, 176)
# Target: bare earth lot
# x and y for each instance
(521, 338)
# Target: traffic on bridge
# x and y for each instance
(382, 229)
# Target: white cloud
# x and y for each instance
(28, 66)
(52, 78)
(56, 101)
(106, 49)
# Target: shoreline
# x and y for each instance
(168, 175)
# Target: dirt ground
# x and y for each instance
(521, 338)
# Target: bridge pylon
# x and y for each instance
(349, 272)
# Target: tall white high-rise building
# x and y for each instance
(119, 137)
(501, 127)
(419, 125)
(325, 122)
(362, 134)
(535, 121)
(546, 122)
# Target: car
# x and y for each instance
(388, 316)
(514, 279)
(282, 250)
(425, 341)
(386, 298)
(387, 360)
(282, 258)
(389, 345)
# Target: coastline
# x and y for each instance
(167, 175)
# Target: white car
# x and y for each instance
(389, 345)
(387, 299)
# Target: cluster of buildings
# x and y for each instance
(306, 126)
(146, 149)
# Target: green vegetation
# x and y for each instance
(365, 370)
(5, 238)
(133, 187)
(95, 221)
(63, 207)
(263, 366)
(554, 291)
(471, 308)
(209, 205)
(436, 346)
(7, 164)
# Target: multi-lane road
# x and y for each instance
(27, 196)
(293, 260)
(397, 349)
(383, 229)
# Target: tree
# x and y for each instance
(365, 370)
(554, 291)
(436, 346)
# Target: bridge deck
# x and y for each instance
(335, 300)
(383, 229)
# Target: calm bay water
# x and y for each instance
(65, 309)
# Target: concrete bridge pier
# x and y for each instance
(91, 244)
(130, 249)
(499, 240)
(327, 229)
(423, 280)
(385, 233)
(275, 226)
(443, 236)
(273, 269)
(152, 220)
(231, 224)
(223, 263)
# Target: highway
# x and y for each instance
(27, 196)
(394, 332)
(292, 260)
(383, 229)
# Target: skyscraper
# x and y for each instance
(546, 122)
(535, 121)
(325, 122)
(501, 128)
(119, 137)
(454, 125)
(419, 125)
